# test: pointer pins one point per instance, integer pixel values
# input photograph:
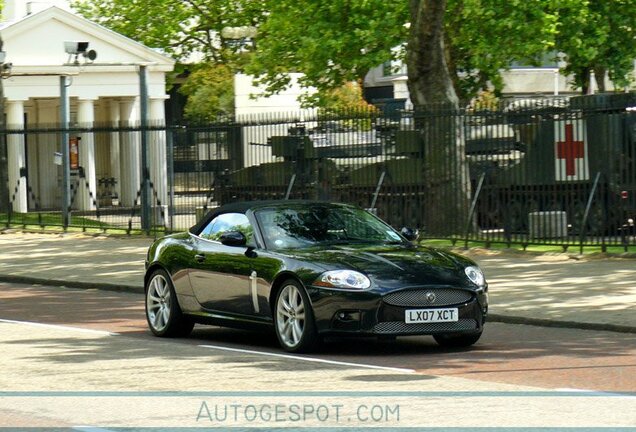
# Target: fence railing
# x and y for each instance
(551, 171)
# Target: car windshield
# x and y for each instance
(312, 225)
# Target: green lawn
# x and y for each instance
(535, 248)
(53, 222)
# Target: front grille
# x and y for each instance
(397, 327)
(419, 297)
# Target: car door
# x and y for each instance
(222, 276)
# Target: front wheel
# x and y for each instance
(295, 327)
(163, 313)
(457, 341)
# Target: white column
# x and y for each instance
(16, 156)
(86, 119)
(49, 190)
(115, 159)
(157, 147)
(130, 153)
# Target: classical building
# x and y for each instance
(104, 91)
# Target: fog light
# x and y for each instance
(349, 316)
(347, 320)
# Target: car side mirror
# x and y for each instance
(233, 238)
(411, 234)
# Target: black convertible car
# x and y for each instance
(309, 269)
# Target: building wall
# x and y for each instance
(251, 104)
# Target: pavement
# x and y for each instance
(560, 290)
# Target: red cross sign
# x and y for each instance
(571, 161)
(570, 150)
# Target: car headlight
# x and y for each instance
(348, 279)
(475, 275)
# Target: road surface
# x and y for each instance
(73, 358)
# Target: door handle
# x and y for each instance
(199, 258)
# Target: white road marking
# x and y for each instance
(309, 359)
(90, 429)
(60, 327)
(221, 348)
(572, 390)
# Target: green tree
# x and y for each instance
(486, 36)
(347, 98)
(210, 91)
(195, 32)
(183, 29)
(338, 41)
(599, 36)
(329, 42)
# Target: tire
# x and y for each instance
(595, 222)
(516, 216)
(457, 341)
(294, 318)
(163, 312)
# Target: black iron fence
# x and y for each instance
(558, 171)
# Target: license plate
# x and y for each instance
(415, 316)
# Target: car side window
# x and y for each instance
(228, 222)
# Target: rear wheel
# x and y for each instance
(457, 341)
(163, 313)
(295, 327)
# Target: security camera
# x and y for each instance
(74, 47)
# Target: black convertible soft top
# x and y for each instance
(243, 206)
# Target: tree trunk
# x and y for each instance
(429, 80)
(583, 76)
(446, 182)
(599, 75)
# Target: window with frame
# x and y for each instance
(228, 222)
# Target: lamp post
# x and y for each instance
(145, 169)
(4, 175)
(560, 64)
(66, 162)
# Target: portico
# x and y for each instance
(104, 94)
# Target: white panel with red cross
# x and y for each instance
(570, 150)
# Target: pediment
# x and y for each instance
(38, 40)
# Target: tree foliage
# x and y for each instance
(331, 42)
(486, 36)
(599, 36)
(340, 40)
(347, 98)
(210, 92)
(185, 29)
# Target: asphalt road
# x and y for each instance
(60, 339)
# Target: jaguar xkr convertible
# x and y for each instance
(309, 269)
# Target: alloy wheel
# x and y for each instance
(159, 303)
(290, 316)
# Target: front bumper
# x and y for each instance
(369, 313)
